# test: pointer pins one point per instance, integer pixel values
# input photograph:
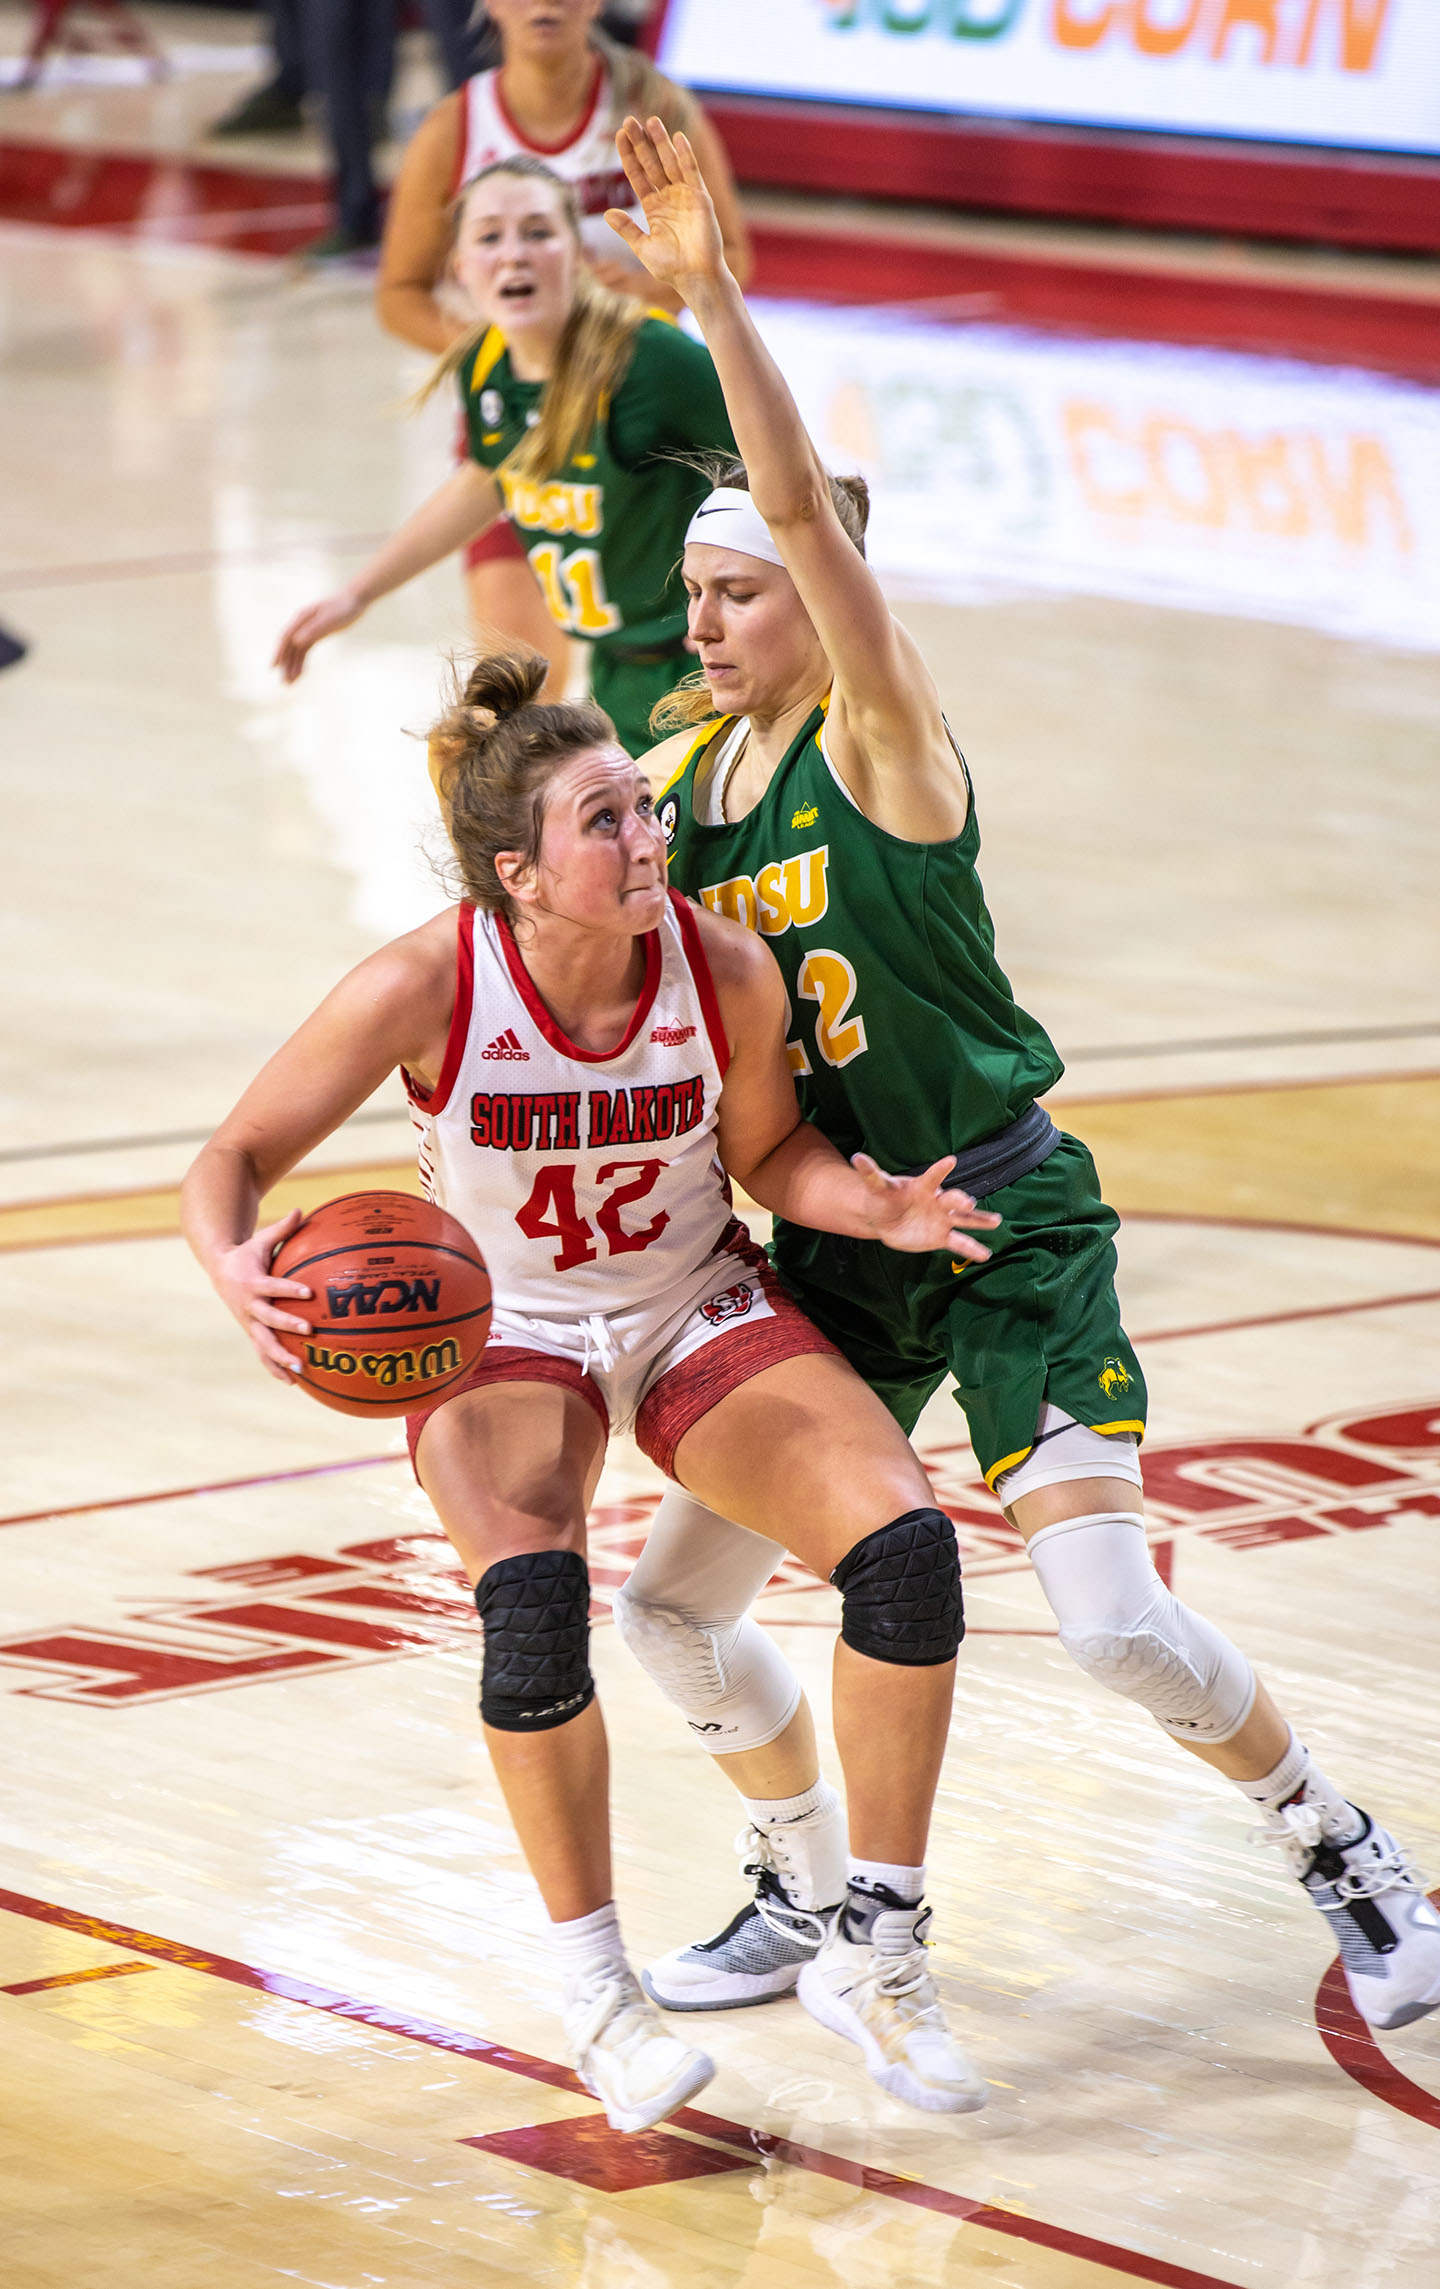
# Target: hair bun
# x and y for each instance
(502, 684)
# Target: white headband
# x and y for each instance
(730, 519)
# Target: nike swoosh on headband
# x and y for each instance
(749, 534)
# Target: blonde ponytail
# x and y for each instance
(590, 364)
(684, 708)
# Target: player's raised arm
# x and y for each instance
(885, 719)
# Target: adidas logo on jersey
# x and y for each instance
(673, 1036)
(507, 1044)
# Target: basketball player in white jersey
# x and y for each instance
(588, 1056)
(559, 93)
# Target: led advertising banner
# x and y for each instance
(1004, 462)
(1358, 75)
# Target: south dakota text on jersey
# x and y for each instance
(642, 1115)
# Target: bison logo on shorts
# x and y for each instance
(733, 1303)
(1114, 1378)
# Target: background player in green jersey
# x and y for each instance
(823, 802)
(578, 404)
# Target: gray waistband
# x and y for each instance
(1005, 1157)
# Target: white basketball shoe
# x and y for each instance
(1385, 1928)
(798, 1870)
(623, 2054)
(870, 1983)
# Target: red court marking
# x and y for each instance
(160, 200)
(209, 1486)
(1241, 188)
(74, 1978)
(292, 1990)
(1164, 1335)
(1022, 286)
(917, 2195)
(1157, 1335)
(1282, 1318)
(1279, 1224)
(586, 2150)
(758, 2142)
(171, 201)
(1353, 2047)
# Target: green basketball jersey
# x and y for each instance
(906, 1040)
(605, 533)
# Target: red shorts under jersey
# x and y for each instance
(744, 1323)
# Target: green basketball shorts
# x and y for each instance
(627, 687)
(1039, 1321)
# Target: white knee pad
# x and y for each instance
(684, 1615)
(1127, 1631)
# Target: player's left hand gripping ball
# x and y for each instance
(402, 1302)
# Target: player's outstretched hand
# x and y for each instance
(681, 245)
(307, 628)
(242, 1280)
(913, 1214)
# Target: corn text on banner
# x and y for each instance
(1352, 74)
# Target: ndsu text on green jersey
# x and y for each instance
(604, 534)
(905, 1039)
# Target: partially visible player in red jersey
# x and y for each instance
(559, 93)
(587, 1056)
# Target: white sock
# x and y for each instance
(908, 1884)
(1276, 1788)
(771, 1811)
(587, 1942)
(1298, 1779)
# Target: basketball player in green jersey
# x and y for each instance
(823, 802)
(580, 407)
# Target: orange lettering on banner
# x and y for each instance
(1163, 39)
(1088, 426)
(1368, 482)
(1259, 15)
(1176, 452)
(1074, 31)
(1358, 25)
(1284, 487)
(1270, 485)
(1361, 26)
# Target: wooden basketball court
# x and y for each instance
(274, 2004)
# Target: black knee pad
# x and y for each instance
(901, 1587)
(536, 1611)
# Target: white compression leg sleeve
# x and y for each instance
(684, 1614)
(1127, 1631)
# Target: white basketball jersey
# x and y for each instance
(588, 1178)
(589, 160)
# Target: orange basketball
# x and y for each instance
(401, 1305)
